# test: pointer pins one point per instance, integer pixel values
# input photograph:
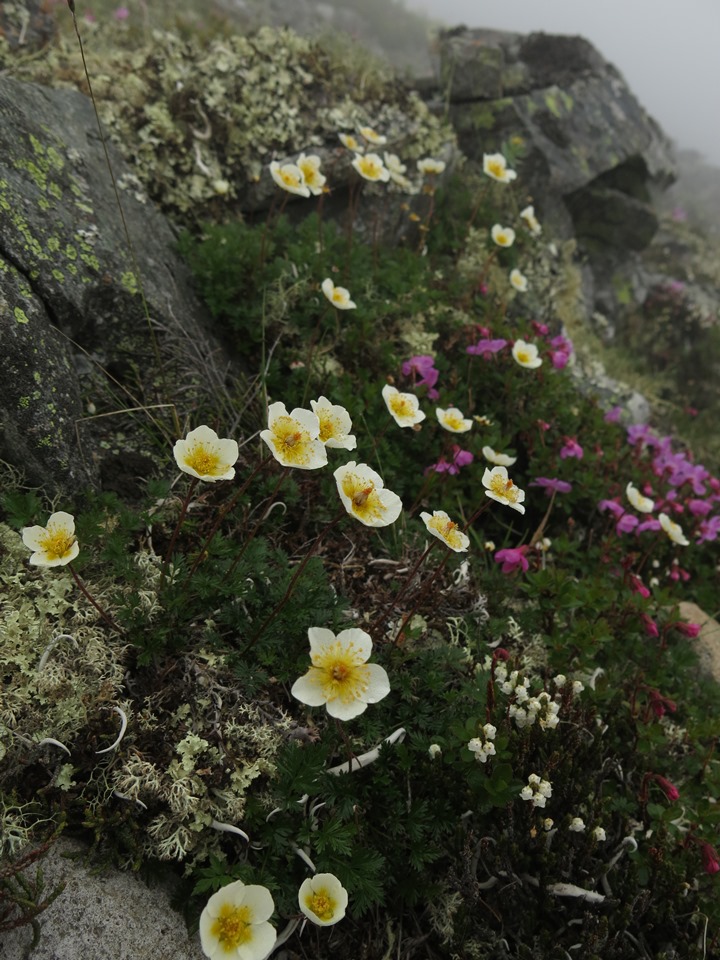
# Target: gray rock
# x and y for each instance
(109, 915)
(68, 290)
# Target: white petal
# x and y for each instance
(33, 537)
(378, 683)
(346, 711)
(276, 410)
(320, 638)
(263, 940)
(260, 901)
(307, 420)
(309, 689)
(361, 641)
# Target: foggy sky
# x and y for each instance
(668, 51)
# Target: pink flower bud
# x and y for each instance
(669, 789)
(709, 858)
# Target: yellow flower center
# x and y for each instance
(361, 496)
(329, 426)
(502, 239)
(401, 405)
(291, 441)
(370, 168)
(496, 168)
(232, 927)
(289, 178)
(454, 421)
(57, 543)
(321, 904)
(203, 460)
(523, 356)
(340, 674)
(504, 488)
(338, 296)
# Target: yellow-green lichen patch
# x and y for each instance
(21, 316)
(129, 281)
(70, 252)
(24, 403)
(53, 244)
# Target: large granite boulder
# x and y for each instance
(70, 300)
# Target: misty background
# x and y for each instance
(667, 51)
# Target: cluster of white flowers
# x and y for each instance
(541, 708)
(483, 747)
(537, 791)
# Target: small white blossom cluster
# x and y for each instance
(483, 747)
(537, 791)
(526, 709)
(541, 708)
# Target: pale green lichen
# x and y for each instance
(20, 315)
(64, 671)
(191, 113)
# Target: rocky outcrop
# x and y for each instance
(568, 111)
(72, 321)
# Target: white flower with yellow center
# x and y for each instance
(404, 407)
(495, 166)
(371, 167)
(235, 924)
(335, 424)
(293, 438)
(396, 168)
(430, 167)
(53, 545)
(503, 236)
(531, 221)
(673, 530)
(637, 500)
(340, 677)
(441, 526)
(453, 420)
(310, 168)
(518, 280)
(372, 136)
(499, 459)
(364, 496)
(526, 355)
(323, 899)
(351, 142)
(501, 488)
(206, 456)
(338, 296)
(289, 177)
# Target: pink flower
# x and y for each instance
(651, 628)
(650, 524)
(708, 529)
(626, 523)
(559, 359)
(710, 860)
(121, 13)
(688, 629)
(669, 789)
(613, 506)
(571, 449)
(460, 458)
(422, 366)
(512, 559)
(543, 424)
(540, 328)
(613, 416)
(637, 586)
(552, 484)
(699, 508)
(486, 348)
(660, 704)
